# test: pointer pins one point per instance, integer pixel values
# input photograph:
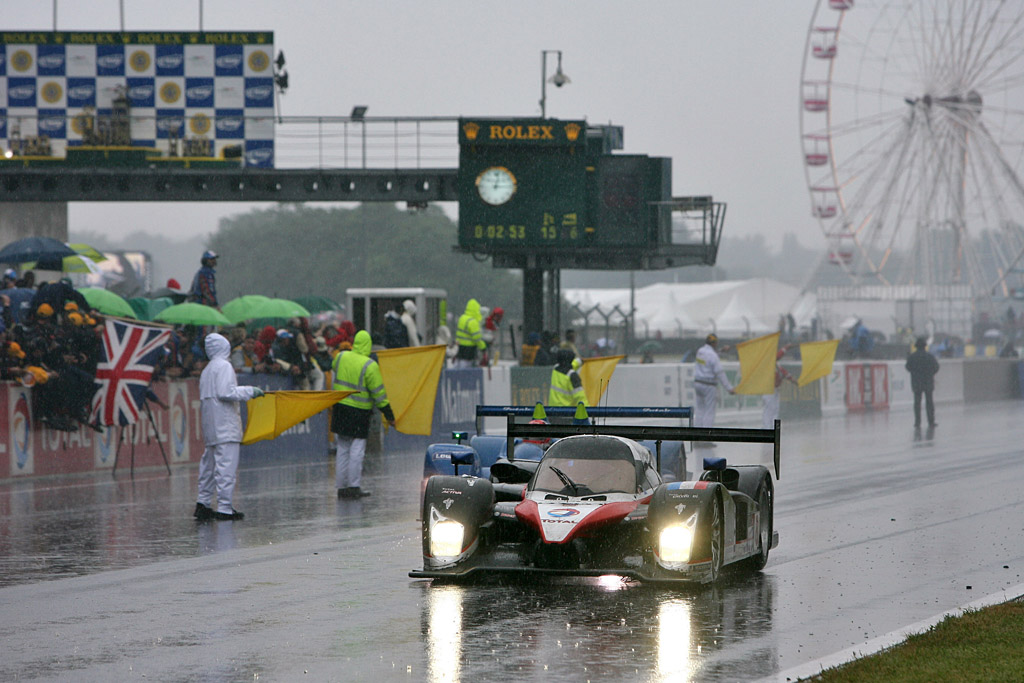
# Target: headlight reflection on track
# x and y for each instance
(444, 638)
(674, 646)
(446, 538)
(611, 582)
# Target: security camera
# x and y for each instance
(559, 79)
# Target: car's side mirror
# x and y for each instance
(465, 458)
(462, 458)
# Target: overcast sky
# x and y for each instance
(714, 85)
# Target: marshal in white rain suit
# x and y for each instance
(707, 373)
(219, 396)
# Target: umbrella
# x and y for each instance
(192, 314)
(147, 308)
(34, 249)
(318, 304)
(649, 345)
(79, 263)
(86, 250)
(276, 308)
(84, 260)
(239, 309)
(107, 302)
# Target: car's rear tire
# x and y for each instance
(764, 529)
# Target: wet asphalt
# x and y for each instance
(109, 578)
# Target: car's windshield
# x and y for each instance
(587, 466)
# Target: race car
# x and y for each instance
(483, 450)
(595, 504)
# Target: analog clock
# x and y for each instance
(496, 185)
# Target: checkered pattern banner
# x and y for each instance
(218, 86)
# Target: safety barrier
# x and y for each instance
(29, 449)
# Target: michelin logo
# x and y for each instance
(141, 92)
(81, 92)
(229, 61)
(258, 156)
(54, 61)
(170, 61)
(170, 123)
(258, 92)
(229, 124)
(114, 61)
(21, 92)
(51, 124)
(199, 92)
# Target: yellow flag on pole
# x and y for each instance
(411, 376)
(757, 364)
(276, 411)
(595, 375)
(817, 358)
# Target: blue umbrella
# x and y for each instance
(35, 249)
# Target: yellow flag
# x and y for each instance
(274, 412)
(817, 360)
(410, 377)
(757, 365)
(595, 375)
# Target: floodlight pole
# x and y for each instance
(544, 78)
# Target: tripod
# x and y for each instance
(120, 440)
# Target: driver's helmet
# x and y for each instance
(542, 441)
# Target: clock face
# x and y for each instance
(496, 185)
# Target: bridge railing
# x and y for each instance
(343, 142)
(328, 142)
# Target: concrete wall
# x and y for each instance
(990, 379)
(30, 448)
(33, 219)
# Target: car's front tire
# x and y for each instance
(715, 540)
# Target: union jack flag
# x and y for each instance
(130, 353)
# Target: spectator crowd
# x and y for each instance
(50, 340)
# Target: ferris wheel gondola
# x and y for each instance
(912, 131)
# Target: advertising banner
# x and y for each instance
(29, 448)
(217, 86)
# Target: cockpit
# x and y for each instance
(586, 466)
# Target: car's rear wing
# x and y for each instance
(527, 412)
(644, 433)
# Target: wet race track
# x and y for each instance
(109, 579)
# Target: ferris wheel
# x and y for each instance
(912, 128)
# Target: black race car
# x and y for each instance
(595, 504)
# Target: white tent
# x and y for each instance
(731, 308)
(739, 320)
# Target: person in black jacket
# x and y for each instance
(922, 367)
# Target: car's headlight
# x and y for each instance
(675, 542)
(446, 538)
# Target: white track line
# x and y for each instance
(870, 647)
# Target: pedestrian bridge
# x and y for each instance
(410, 159)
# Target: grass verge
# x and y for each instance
(981, 645)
